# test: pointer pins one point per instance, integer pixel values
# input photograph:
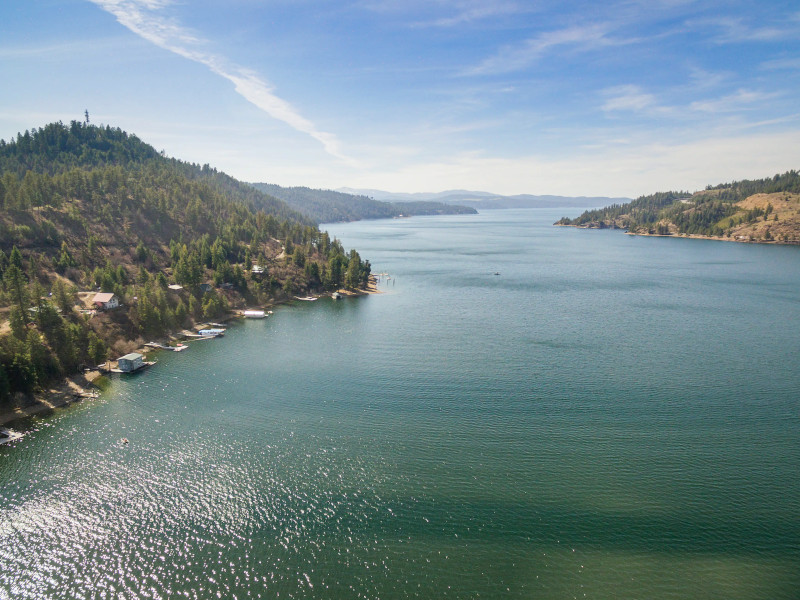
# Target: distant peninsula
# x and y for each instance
(761, 211)
(351, 204)
(328, 206)
(488, 200)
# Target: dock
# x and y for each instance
(178, 348)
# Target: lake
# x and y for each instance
(526, 411)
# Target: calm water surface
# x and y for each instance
(609, 417)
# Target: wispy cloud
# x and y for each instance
(146, 19)
(741, 100)
(736, 30)
(468, 11)
(779, 64)
(516, 57)
(701, 79)
(628, 98)
(633, 99)
(55, 51)
(627, 171)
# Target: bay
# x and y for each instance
(525, 411)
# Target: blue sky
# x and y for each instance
(574, 98)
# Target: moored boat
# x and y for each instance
(212, 332)
(8, 435)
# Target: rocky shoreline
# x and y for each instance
(692, 236)
(76, 388)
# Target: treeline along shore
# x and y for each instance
(106, 244)
(761, 211)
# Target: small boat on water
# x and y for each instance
(305, 298)
(177, 348)
(8, 435)
(336, 296)
(211, 332)
(254, 314)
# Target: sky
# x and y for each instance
(613, 98)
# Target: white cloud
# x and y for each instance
(145, 18)
(632, 171)
(790, 64)
(631, 98)
(628, 98)
(741, 100)
(468, 11)
(517, 57)
(734, 30)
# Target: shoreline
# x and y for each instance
(78, 387)
(695, 236)
(687, 236)
(71, 390)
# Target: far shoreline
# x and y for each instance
(688, 236)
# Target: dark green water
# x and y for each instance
(610, 417)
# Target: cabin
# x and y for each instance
(105, 301)
(206, 287)
(130, 362)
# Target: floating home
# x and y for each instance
(130, 362)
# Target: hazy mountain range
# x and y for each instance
(488, 200)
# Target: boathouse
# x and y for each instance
(130, 362)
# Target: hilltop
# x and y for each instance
(762, 210)
(86, 208)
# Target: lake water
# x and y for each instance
(608, 417)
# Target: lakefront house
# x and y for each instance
(105, 301)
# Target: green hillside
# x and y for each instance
(765, 210)
(86, 208)
(327, 206)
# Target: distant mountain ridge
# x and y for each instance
(329, 206)
(489, 201)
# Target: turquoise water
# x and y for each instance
(609, 417)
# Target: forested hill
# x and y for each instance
(86, 208)
(761, 210)
(57, 149)
(327, 206)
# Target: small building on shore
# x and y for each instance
(130, 362)
(105, 301)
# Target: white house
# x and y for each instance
(105, 301)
